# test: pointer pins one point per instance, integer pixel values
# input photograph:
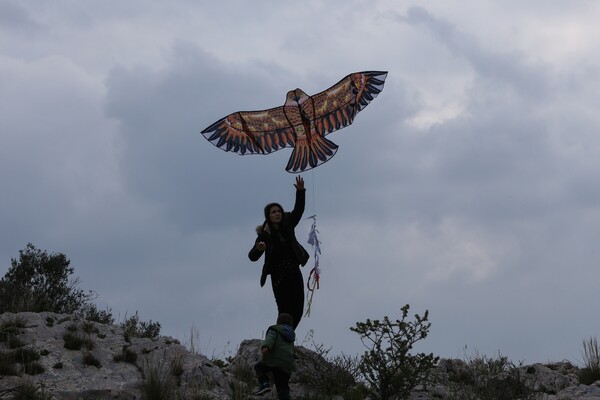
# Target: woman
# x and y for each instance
(283, 254)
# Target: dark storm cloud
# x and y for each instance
(162, 153)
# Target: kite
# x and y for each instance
(302, 122)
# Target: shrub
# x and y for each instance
(329, 376)
(10, 329)
(89, 328)
(126, 355)
(244, 379)
(15, 322)
(156, 383)
(90, 359)
(91, 313)
(39, 281)
(176, 364)
(8, 365)
(590, 373)
(76, 342)
(10, 360)
(490, 378)
(33, 368)
(26, 354)
(133, 327)
(388, 366)
(27, 390)
(15, 342)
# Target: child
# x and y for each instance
(277, 357)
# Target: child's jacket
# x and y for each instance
(280, 342)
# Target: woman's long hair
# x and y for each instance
(282, 225)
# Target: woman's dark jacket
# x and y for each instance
(289, 221)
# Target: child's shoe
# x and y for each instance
(264, 388)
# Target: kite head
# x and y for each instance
(295, 97)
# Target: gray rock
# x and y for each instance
(542, 378)
(107, 366)
(94, 372)
(580, 392)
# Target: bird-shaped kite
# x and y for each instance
(302, 122)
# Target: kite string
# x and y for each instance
(312, 282)
(313, 192)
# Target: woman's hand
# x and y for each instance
(261, 246)
(299, 183)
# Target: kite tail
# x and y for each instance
(310, 153)
(312, 282)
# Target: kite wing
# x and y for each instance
(252, 132)
(302, 122)
(336, 107)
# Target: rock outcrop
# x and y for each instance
(71, 358)
(67, 357)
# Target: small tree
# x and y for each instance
(39, 281)
(387, 365)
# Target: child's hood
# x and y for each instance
(286, 332)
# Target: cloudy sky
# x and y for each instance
(469, 187)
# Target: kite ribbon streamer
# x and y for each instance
(313, 277)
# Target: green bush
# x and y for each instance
(133, 327)
(39, 281)
(91, 313)
(388, 365)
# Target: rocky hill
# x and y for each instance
(54, 356)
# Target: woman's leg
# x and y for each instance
(289, 294)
